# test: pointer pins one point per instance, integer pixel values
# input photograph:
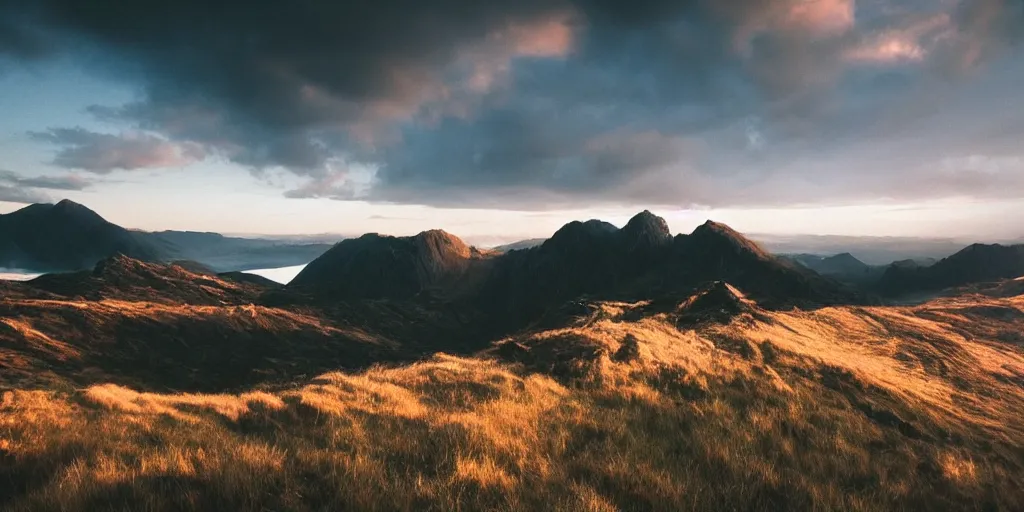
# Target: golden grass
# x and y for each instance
(838, 409)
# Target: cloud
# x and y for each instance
(65, 182)
(545, 102)
(16, 188)
(13, 194)
(102, 153)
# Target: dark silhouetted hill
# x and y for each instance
(581, 259)
(386, 267)
(124, 278)
(844, 264)
(64, 236)
(520, 245)
(976, 263)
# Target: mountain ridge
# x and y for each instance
(68, 236)
(973, 264)
(592, 259)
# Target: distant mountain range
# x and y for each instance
(590, 259)
(581, 258)
(68, 236)
(871, 250)
(976, 263)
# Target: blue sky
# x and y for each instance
(874, 117)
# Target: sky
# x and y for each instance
(508, 119)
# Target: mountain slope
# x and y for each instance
(123, 278)
(841, 408)
(64, 236)
(976, 263)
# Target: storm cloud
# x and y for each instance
(560, 102)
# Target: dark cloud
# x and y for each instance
(538, 102)
(102, 153)
(65, 182)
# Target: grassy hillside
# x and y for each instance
(632, 407)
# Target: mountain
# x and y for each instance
(976, 263)
(872, 250)
(223, 254)
(64, 236)
(518, 246)
(68, 236)
(839, 264)
(378, 267)
(592, 259)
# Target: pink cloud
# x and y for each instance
(888, 49)
(547, 38)
(824, 16)
(912, 42)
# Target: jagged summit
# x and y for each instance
(382, 266)
(120, 264)
(577, 229)
(648, 229)
(717, 236)
(442, 244)
(67, 204)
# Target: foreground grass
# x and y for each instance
(455, 433)
(913, 408)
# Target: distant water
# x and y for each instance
(16, 274)
(282, 275)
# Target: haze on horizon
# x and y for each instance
(871, 117)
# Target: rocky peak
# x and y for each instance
(71, 209)
(576, 231)
(717, 301)
(440, 243)
(648, 229)
(722, 236)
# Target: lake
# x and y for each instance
(16, 274)
(281, 275)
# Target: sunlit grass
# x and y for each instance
(839, 409)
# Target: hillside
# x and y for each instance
(165, 327)
(624, 407)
